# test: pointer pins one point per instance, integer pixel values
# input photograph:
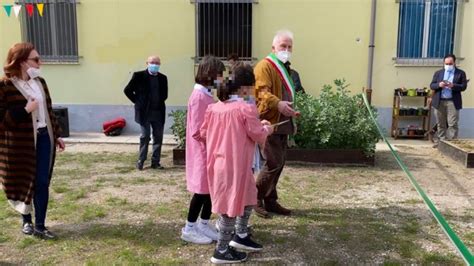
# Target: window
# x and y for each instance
(427, 28)
(224, 27)
(55, 33)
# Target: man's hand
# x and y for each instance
(60, 144)
(446, 84)
(285, 108)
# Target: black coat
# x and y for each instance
(138, 91)
(459, 85)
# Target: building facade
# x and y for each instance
(91, 47)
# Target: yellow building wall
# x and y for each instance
(330, 38)
(387, 76)
(115, 39)
(331, 41)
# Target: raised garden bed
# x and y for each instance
(179, 156)
(330, 156)
(461, 151)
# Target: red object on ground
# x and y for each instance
(111, 125)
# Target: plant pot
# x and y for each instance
(179, 156)
(411, 92)
(330, 156)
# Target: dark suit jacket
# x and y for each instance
(138, 91)
(459, 82)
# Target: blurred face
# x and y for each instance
(283, 44)
(33, 60)
(246, 91)
(449, 61)
(153, 60)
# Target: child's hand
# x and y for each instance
(265, 122)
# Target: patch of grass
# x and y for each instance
(469, 237)
(27, 242)
(440, 259)
(76, 194)
(61, 189)
(411, 227)
(63, 210)
(140, 180)
(93, 212)
(129, 257)
(124, 169)
(3, 237)
(391, 263)
(115, 201)
(412, 201)
(408, 249)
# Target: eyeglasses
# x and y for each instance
(35, 59)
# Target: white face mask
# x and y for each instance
(283, 56)
(448, 67)
(33, 72)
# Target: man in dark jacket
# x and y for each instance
(148, 90)
(447, 85)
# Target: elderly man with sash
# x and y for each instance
(275, 94)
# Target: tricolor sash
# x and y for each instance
(283, 73)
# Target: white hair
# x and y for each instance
(282, 34)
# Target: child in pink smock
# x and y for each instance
(209, 71)
(231, 129)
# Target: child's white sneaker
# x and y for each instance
(193, 235)
(208, 230)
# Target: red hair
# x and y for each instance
(17, 54)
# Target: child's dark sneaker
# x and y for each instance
(245, 243)
(229, 256)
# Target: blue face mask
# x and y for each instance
(153, 68)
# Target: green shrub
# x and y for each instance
(179, 127)
(335, 120)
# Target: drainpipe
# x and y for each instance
(371, 50)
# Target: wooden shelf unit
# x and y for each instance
(424, 120)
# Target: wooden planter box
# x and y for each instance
(342, 156)
(458, 152)
(179, 156)
(330, 156)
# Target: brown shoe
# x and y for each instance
(275, 207)
(260, 210)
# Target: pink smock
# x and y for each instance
(196, 172)
(231, 130)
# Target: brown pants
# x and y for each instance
(275, 155)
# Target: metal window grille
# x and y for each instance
(427, 29)
(224, 27)
(55, 33)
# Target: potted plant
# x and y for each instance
(179, 132)
(334, 128)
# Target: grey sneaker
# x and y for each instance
(229, 256)
(27, 229)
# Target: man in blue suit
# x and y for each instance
(447, 85)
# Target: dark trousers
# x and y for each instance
(275, 155)
(41, 196)
(157, 129)
(200, 202)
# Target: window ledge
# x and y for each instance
(62, 61)
(420, 62)
(59, 63)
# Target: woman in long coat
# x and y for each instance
(29, 134)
